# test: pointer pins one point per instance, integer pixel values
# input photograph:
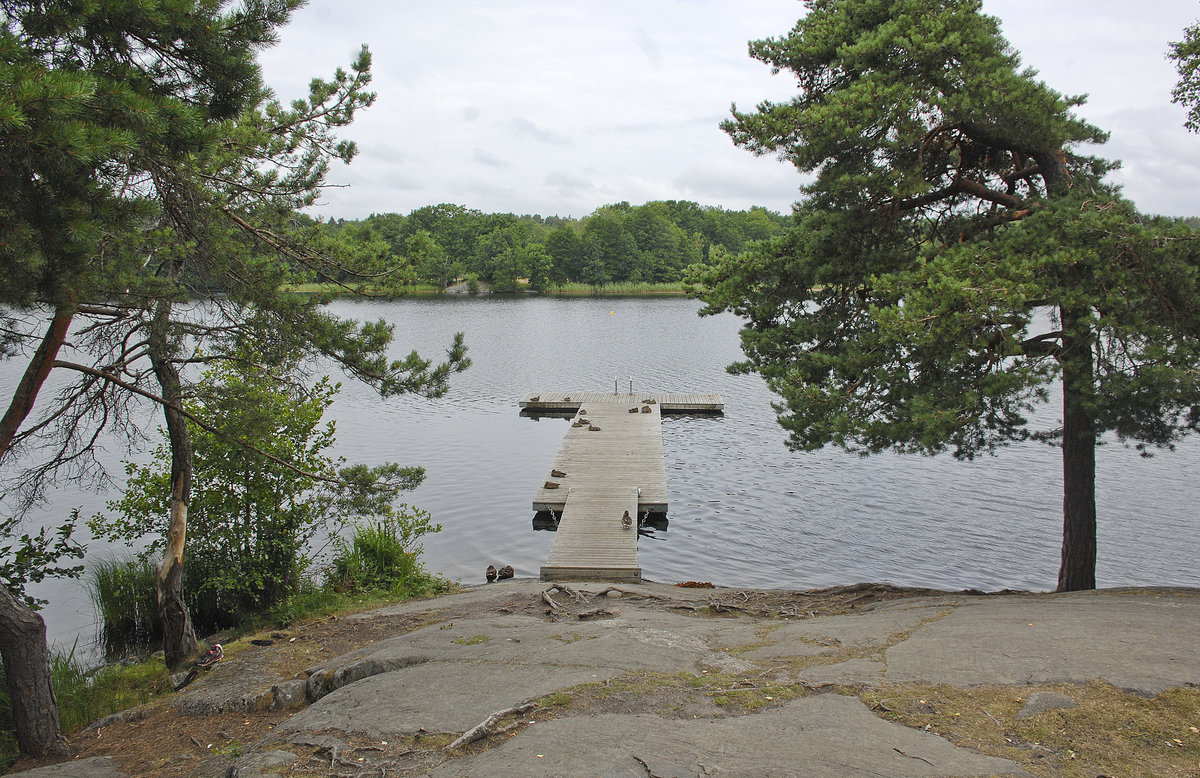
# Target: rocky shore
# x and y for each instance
(522, 678)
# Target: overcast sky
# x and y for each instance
(557, 107)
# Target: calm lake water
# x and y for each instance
(744, 511)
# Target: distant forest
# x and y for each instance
(617, 243)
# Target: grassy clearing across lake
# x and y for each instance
(623, 289)
(348, 290)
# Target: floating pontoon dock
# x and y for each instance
(607, 475)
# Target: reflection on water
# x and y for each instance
(744, 510)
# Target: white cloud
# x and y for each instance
(528, 129)
(551, 107)
(484, 158)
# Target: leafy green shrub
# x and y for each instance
(383, 555)
(32, 558)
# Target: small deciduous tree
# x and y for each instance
(539, 266)
(955, 255)
(254, 510)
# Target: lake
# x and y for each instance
(744, 511)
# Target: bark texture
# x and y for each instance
(1078, 568)
(179, 637)
(27, 667)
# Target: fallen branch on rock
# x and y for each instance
(911, 756)
(554, 606)
(740, 689)
(649, 773)
(488, 725)
(571, 591)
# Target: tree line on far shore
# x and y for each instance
(616, 243)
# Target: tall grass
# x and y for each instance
(381, 557)
(85, 695)
(377, 557)
(125, 596)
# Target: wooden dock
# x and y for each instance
(607, 475)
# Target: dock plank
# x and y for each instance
(592, 542)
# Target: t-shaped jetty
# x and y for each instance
(607, 476)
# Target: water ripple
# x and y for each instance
(745, 511)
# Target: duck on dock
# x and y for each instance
(557, 474)
(626, 520)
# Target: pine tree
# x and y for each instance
(143, 165)
(954, 255)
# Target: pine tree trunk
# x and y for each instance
(23, 632)
(27, 667)
(35, 375)
(179, 637)
(1078, 569)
